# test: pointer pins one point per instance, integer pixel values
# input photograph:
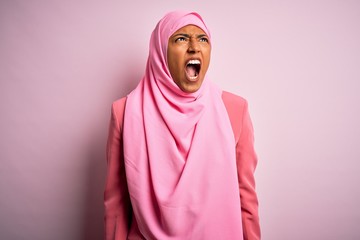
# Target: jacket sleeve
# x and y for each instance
(116, 197)
(246, 163)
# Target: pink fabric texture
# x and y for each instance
(120, 223)
(179, 151)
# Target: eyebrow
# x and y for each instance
(188, 36)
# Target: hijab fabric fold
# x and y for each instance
(179, 151)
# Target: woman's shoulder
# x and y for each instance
(233, 100)
(236, 106)
(117, 111)
(118, 105)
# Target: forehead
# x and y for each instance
(189, 29)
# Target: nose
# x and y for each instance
(193, 46)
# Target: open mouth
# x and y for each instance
(193, 69)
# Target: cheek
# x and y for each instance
(174, 62)
(170, 61)
(173, 66)
(207, 55)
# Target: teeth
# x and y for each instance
(193, 62)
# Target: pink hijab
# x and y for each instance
(179, 151)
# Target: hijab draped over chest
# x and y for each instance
(179, 151)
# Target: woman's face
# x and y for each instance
(188, 56)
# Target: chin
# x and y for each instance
(188, 86)
(190, 89)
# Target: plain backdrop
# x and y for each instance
(62, 64)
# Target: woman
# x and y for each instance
(180, 151)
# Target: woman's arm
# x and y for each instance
(116, 196)
(246, 163)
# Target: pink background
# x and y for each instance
(62, 64)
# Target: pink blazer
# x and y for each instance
(119, 219)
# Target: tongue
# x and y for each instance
(191, 70)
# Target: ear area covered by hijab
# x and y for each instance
(179, 151)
